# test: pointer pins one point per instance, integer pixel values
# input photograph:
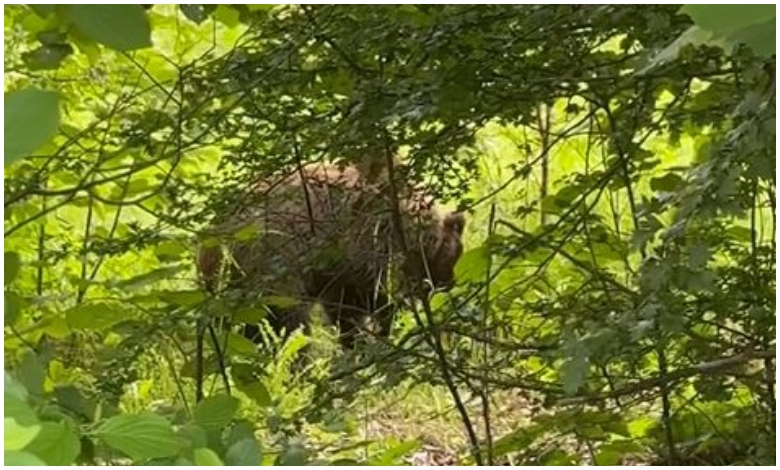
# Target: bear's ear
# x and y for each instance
(454, 222)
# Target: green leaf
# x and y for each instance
(216, 412)
(12, 263)
(13, 388)
(294, 454)
(195, 13)
(140, 436)
(244, 452)
(47, 56)
(120, 27)
(43, 10)
(195, 434)
(240, 345)
(32, 117)
(473, 265)
(205, 457)
(227, 15)
(96, 316)
(13, 307)
(56, 444)
(250, 385)
(19, 410)
(760, 37)
(668, 182)
(31, 372)
(724, 18)
(18, 458)
(16, 436)
(249, 315)
(613, 453)
(183, 298)
(149, 278)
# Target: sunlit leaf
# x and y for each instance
(205, 457)
(19, 458)
(140, 436)
(216, 412)
(56, 444)
(17, 436)
(95, 316)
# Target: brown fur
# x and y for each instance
(327, 234)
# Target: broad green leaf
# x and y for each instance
(249, 315)
(244, 452)
(18, 409)
(31, 372)
(195, 434)
(56, 444)
(216, 412)
(140, 436)
(227, 15)
(473, 265)
(294, 454)
(18, 458)
(668, 182)
(43, 10)
(205, 457)
(280, 302)
(11, 264)
(47, 56)
(612, 453)
(240, 345)
(95, 316)
(32, 117)
(196, 13)
(759, 37)
(149, 278)
(249, 384)
(13, 307)
(724, 18)
(120, 27)
(13, 388)
(183, 298)
(17, 436)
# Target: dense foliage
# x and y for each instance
(616, 302)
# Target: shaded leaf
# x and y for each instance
(32, 117)
(244, 452)
(724, 18)
(120, 27)
(13, 307)
(11, 265)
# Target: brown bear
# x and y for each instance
(329, 235)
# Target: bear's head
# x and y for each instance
(438, 249)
